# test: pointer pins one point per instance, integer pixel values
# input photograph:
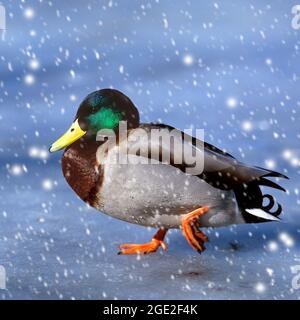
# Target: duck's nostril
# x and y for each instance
(72, 129)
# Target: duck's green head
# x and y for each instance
(102, 109)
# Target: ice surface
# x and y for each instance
(229, 67)
(54, 246)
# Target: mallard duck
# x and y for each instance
(160, 194)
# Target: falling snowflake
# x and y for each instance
(268, 61)
(29, 79)
(29, 13)
(270, 163)
(36, 152)
(231, 102)
(34, 64)
(17, 169)
(47, 184)
(188, 59)
(272, 246)
(247, 125)
(260, 287)
(286, 239)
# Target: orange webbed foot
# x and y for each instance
(145, 248)
(190, 227)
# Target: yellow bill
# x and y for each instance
(74, 133)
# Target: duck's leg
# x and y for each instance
(145, 248)
(190, 228)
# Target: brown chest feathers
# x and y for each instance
(82, 171)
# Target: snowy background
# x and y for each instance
(230, 67)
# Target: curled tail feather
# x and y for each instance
(251, 200)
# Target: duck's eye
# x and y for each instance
(72, 129)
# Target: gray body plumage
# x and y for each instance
(159, 195)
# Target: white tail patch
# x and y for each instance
(262, 214)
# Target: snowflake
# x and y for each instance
(188, 60)
(29, 79)
(260, 287)
(34, 64)
(29, 13)
(231, 102)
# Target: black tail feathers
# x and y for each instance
(249, 196)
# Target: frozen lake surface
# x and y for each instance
(53, 246)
